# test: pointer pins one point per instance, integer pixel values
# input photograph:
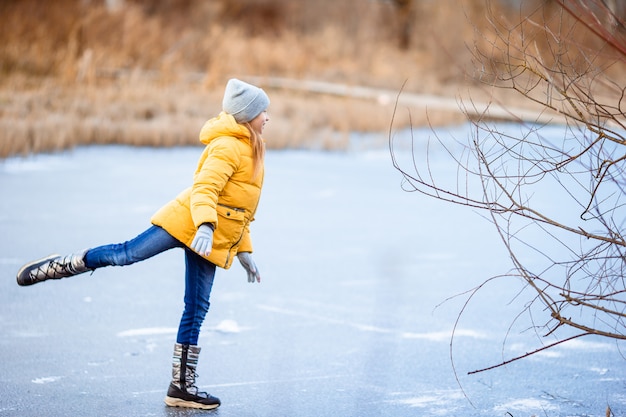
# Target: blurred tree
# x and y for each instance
(404, 10)
(557, 204)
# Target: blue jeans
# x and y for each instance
(199, 274)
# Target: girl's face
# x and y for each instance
(258, 123)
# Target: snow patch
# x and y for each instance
(599, 371)
(228, 326)
(147, 331)
(444, 336)
(525, 405)
(437, 399)
(45, 379)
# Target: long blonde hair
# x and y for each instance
(258, 150)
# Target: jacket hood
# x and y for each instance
(222, 125)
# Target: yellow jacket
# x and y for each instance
(223, 192)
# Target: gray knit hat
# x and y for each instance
(244, 101)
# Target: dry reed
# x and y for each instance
(76, 73)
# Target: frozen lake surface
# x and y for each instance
(353, 316)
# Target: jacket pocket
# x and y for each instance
(231, 222)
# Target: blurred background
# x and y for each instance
(150, 72)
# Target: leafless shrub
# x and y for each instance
(556, 200)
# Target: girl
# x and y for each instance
(209, 221)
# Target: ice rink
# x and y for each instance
(353, 317)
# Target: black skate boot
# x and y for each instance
(182, 391)
(52, 267)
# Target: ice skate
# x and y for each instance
(52, 267)
(182, 391)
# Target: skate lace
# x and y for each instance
(190, 381)
(49, 270)
(190, 384)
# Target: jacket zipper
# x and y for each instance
(232, 208)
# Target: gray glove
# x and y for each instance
(248, 264)
(203, 240)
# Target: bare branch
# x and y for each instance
(526, 354)
(556, 199)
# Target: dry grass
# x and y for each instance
(75, 72)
